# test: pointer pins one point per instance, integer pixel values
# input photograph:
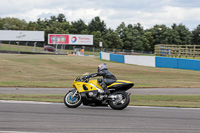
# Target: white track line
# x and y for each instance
(27, 102)
(151, 107)
(16, 132)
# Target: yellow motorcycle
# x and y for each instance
(90, 93)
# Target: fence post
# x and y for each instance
(61, 51)
(26, 46)
(64, 48)
(18, 47)
(186, 51)
(93, 50)
(56, 49)
(194, 51)
(179, 51)
(9, 46)
(34, 49)
(0, 45)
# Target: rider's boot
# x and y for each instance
(104, 86)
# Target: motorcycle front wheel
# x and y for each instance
(71, 100)
(121, 101)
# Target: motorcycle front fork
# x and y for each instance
(74, 93)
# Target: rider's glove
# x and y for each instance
(86, 77)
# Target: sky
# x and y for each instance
(113, 12)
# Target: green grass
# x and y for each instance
(33, 97)
(186, 101)
(22, 48)
(21, 70)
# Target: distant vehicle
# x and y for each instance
(49, 48)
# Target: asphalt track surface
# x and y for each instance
(39, 117)
(36, 117)
(133, 91)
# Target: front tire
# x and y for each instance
(121, 101)
(72, 102)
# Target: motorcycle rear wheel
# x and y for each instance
(72, 102)
(119, 104)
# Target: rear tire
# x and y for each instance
(72, 102)
(121, 104)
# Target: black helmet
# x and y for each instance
(102, 66)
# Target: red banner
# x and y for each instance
(58, 39)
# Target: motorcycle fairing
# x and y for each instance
(85, 87)
(93, 85)
(121, 85)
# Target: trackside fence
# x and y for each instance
(153, 61)
(177, 50)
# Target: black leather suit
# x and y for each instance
(108, 78)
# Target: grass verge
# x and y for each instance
(186, 101)
(17, 70)
(23, 48)
(33, 97)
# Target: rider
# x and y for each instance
(108, 77)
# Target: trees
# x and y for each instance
(112, 40)
(79, 27)
(97, 38)
(176, 34)
(13, 24)
(1, 24)
(32, 26)
(183, 33)
(129, 37)
(61, 18)
(148, 41)
(196, 36)
(109, 37)
(97, 25)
